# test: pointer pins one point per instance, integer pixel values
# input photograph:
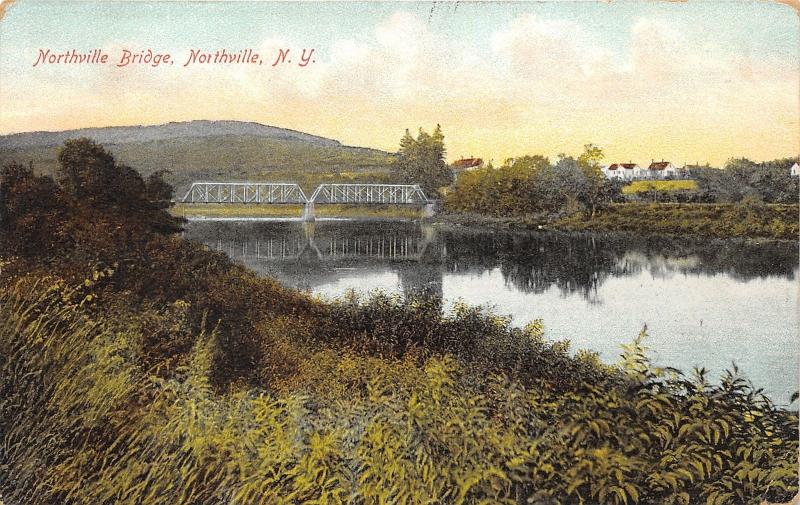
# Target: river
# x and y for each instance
(705, 303)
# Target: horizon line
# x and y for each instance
(341, 144)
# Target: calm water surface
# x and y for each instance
(704, 304)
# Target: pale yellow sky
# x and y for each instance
(684, 82)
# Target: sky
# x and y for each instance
(690, 82)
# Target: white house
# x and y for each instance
(795, 171)
(612, 171)
(632, 171)
(661, 170)
(623, 171)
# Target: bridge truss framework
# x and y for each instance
(289, 193)
(245, 192)
(404, 194)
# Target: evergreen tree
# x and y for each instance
(422, 161)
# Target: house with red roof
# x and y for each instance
(632, 171)
(465, 164)
(623, 171)
(661, 170)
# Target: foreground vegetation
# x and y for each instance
(86, 421)
(139, 368)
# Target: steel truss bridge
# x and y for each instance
(289, 193)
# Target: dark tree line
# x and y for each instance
(740, 179)
(94, 204)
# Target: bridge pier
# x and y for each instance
(308, 211)
(429, 210)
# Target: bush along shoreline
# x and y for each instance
(136, 367)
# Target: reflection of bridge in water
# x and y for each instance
(330, 247)
(312, 254)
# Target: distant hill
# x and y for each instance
(180, 130)
(212, 150)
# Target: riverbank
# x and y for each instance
(719, 221)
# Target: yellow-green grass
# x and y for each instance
(290, 210)
(642, 186)
(236, 210)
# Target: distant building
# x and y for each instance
(465, 164)
(632, 171)
(795, 170)
(612, 171)
(623, 171)
(661, 170)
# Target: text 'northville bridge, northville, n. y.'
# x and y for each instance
(290, 193)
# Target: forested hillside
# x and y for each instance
(212, 150)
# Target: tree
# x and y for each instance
(86, 171)
(422, 161)
(90, 177)
(531, 186)
(742, 179)
(159, 191)
(596, 193)
(31, 211)
(527, 165)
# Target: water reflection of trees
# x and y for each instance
(534, 262)
(530, 262)
(580, 263)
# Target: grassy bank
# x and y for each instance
(294, 211)
(721, 221)
(758, 221)
(189, 210)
